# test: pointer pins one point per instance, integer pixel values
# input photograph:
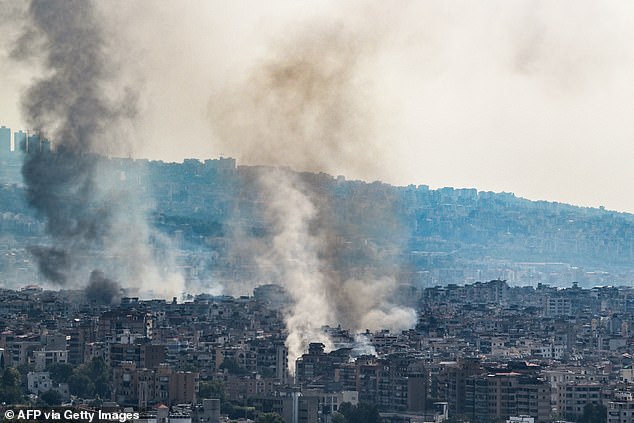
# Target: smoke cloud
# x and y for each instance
(102, 290)
(362, 346)
(305, 106)
(52, 263)
(295, 261)
(550, 82)
(81, 104)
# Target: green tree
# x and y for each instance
(24, 370)
(10, 389)
(80, 384)
(269, 418)
(338, 418)
(60, 372)
(228, 408)
(97, 373)
(212, 389)
(361, 413)
(188, 367)
(594, 413)
(51, 397)
(233, 367)
(238, 411)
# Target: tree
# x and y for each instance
(91, 379)
(213, 389)
(338, 418)
(269, 418)
(233, 367)
(594, 413)
(24, 370)
(51, 397)
(80, 384)
(227, 408)
(238, 411)
(10, 390)
(188, 367)
(361, 413)
(60, 372)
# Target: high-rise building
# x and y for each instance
(5, 141)
(19, 141)
(38, 144)
(45, 146)
(499, 396)
(210, 411)
(33, 143)
(620, 408)
(450, 382)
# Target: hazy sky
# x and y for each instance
(535, 98)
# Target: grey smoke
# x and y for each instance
(67, 106)
(70, 103)
(101, 290)
(305, 107)
(293, 261)
(52, 263)
(304, 256)
(362, 346)
(81, 104)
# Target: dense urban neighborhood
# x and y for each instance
(480, 352)
(316, 211)
(514, 311)
(213, 212)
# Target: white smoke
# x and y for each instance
(362, 346)
(298, 259)
(295, 263)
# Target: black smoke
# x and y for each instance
(72, 105)
(62, 186)
(101, 290)
(52, 263)
(69, 102)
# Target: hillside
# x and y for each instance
(217, 216)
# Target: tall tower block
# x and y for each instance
(5, 141)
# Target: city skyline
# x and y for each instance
(193, 220)
(530, 98)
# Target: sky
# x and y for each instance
(530, 97)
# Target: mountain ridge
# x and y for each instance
(445, 235)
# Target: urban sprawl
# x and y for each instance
(523, 310)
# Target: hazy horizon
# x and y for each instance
(527, 97)
(202, 159)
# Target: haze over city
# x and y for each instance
(528, 97)
(225, 212)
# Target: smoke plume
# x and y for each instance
(80, 104)
(52, 263)
(362, 346)
(102, 290)
(295, 262)
(306, 107)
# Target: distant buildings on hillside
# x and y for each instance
(22, 142)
